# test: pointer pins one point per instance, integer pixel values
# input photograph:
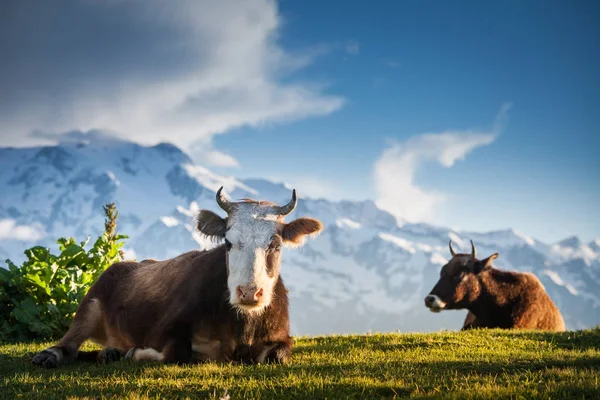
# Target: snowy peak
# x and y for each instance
(172, 153)
(213, 182)
(573, 248)
(572, 242)
(278, 193)
(501, 238)
(595, 245)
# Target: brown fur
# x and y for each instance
(149, 261)
(258, 202)
(167, 306)
(295, 231)
(470, 321)
(496, 298)
(211, 224)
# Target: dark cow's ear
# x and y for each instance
(482, 265)
(294, 232)
(211, 225)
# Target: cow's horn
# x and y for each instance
(451, 249)
(473, 250)
(289, 207)
(223, 202)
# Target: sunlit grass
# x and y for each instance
(475, 364)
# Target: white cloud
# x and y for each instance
(395, 170)
(129, 254)
(205, 151)
(182, 73)
(9, 230)
(391, 63)
(219, 159)
(352, 47)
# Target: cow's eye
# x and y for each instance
(274, 247)
(227, 245)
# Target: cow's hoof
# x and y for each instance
(131, 352)
(110, 354)
(48, 358)
(243, 354)
(279, 355)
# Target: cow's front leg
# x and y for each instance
(104, 356)
(274, 352)
(471, 322)
(144, 354)
(178, 350)
(244, 354)
(175, 353)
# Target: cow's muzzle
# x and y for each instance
(434, 303)
(248, 295)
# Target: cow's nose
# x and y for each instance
(429, 300)
(248, 294)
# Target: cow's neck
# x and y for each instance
(498, 292)
(245, 327)
(250, 326)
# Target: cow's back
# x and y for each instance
(539, 311)
(127, 280)
(551, 318)
(515, 300)
(136, 298)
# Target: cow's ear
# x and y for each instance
(294, 233)
(211, 225)
(485, 264)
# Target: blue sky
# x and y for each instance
(475, 115)
(432, 67)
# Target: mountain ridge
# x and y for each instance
(366, 271)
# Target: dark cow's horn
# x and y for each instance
(289, 207)
(223, 202)
(473, 250)
(451, 249)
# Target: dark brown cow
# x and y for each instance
(494, 298)
(225, 304)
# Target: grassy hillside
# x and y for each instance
(477, 364)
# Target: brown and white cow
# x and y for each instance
(494, 298)
(224, 304)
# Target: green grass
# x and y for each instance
(475, 364)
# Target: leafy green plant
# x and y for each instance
(38, 300)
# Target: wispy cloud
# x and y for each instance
(391, 63)
(352, 47)
(216, 158)
(395, 170)
(10, 230)
(182, 73)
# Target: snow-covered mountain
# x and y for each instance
(365, 272)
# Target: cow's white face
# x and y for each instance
(254, 243)
(254, 233)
